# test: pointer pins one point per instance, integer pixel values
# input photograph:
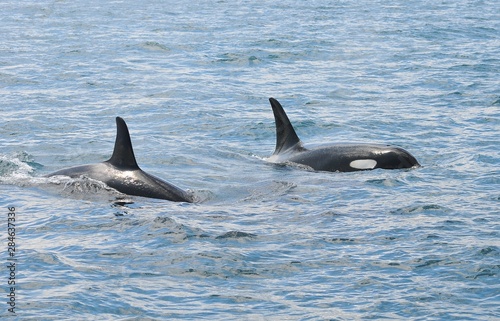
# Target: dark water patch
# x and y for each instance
(454, 222)
(233, 298)
(116, 254)
(143, 274)
(386, 182)
(164, 221)
(331, 214)
(123, 203)
(154, 46)
(418, 209)
(198, 236)
(245, 272)
(243, 59)
(339, 240)
(390, 265)
(489, 251)
(448, 263)
(485, 272)
(427, 263)
(451, 225)
(235, 235)
(174, 231)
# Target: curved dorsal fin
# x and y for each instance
(123, 154)
(285, 134)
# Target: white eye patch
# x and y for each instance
(363, 164)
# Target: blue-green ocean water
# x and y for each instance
(264, 242)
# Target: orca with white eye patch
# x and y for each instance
(336, 157)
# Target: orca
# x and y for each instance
(336, 157)
(122, 173)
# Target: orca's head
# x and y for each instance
(397, 158)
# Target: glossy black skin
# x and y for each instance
(122, 173)
(335, 157)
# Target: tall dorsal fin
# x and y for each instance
(123, 154)
(285, 134)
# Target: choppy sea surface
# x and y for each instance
(263, 242)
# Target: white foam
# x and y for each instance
(13, 168)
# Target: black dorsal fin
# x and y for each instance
(123, 154)
(285, 134)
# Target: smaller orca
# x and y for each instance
(122, 173)
(333, 158)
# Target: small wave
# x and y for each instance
(235, 298)
(275, 188)
(201, 196)
(167, 227)
(386, 182)
(490, 250)
(485, 272)
(419, 209)
(428, 263)
(235, 235)
(153, 45)
(17, 166)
